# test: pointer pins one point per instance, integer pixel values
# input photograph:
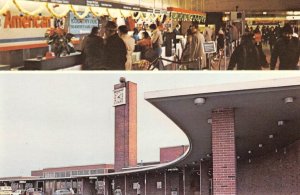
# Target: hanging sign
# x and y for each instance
(78, 2)
(73, 2)
(95, 3)
(98, 3)
(59, 1)
(54, 1)
(77, 26)
(157, 11)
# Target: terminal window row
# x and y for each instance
(72, 173)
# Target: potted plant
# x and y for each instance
(59, 41)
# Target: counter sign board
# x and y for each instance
(85, 26)
(209, 47)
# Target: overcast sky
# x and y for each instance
(62, 119)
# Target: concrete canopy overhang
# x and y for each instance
(258, 107)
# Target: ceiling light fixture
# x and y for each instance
(199, 101)
(288, 100)
(209, 121)
(293, 12)
(260, 145)
(280, 123)
(271, 136)
(249, 152)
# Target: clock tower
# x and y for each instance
(125, 103)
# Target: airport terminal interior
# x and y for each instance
(249, 146)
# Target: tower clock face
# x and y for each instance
(119, 96)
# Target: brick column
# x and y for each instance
(223, 149)
(126, 128)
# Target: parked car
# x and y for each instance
(62, 192)
(33, 191)
(19, 192)
(5, 190)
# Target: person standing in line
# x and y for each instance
(207, 33)
(145, 41)
(186, 53)
(93, 51)
(287, 49)
(145, 44)
(247, 55)
(135, 35)
(220, 41)
(156, 38)
(177, 29)
(234, 34)
(197, 52)
(272, 38)
(130, 44)
(115, 48)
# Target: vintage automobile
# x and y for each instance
(33, 191)
(5, 190)
(63, 192)
(19, 192)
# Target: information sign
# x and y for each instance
(73, 2)
(209, 47)
(98, 3)
(59, 1)
(85, 26)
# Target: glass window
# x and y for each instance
(93, 171)
(74, 173)
(80, 172)
(68, 174)
(63, 174)
(99, 171)
(86, 172)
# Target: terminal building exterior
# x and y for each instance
(244, 139)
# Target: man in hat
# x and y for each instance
(197, 52)
(115, 49)
(287, 48)
(92, 50)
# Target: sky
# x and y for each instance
(54, 119)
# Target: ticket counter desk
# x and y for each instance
(136, 58)
(69, 62)
(4, 67)
(177, 52)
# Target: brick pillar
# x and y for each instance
(126, 128)
(223, 149)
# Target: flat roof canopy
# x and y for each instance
(258, 107)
